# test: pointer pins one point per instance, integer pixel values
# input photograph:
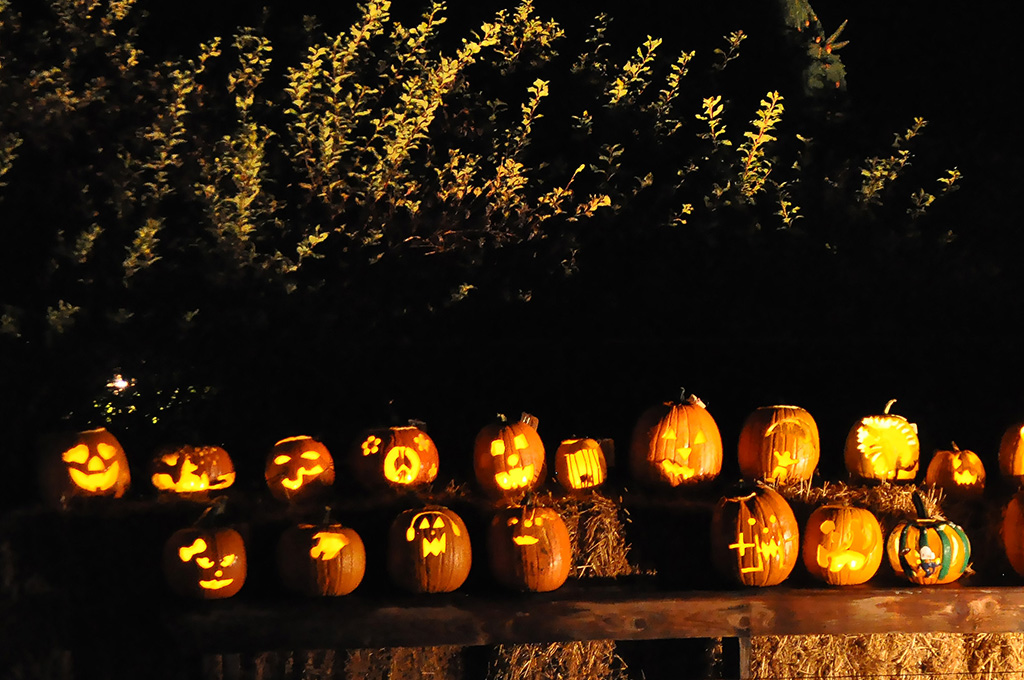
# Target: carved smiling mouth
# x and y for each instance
(216, 583)
(525, 540)
(297, 481)
(96, 481)
(515, 478)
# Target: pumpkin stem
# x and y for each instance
(214, 509)
(529, 419)
(327, 514)
(955, 447)
(888, 406)
(918, 500)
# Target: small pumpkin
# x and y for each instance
(755, 538)
(843, 545)
(85, 464)
(508, 458)
(960, 473)
(529, 549)
(205, 563)
(883, 447)
(402, 457)
(325, 559)
(429, 550)
(927, 550)
(299, 469)
(1011, 454)
(779, 444)
(192, 471)
(677, 444)
(580, 464)
(1011, 532)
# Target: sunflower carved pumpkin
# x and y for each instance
(429, 550)
(779, 444)
(529, 549)
(85, 464)
(960, 473)
(843, 545)
(927, 550)
(883, 448)
(508, 458)
(755, 538)
(676, 444)
(401, 457)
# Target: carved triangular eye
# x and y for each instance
(700, 438)
(670, 433)
(439, 523)
(425, 524)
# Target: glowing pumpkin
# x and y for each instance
(192, 471)
(1011, 532)
(960, 474)
(321, 559)
(206, 564)
(676, 444)
(928, 550)
(779, 444)
(883, 447)
(529, 549)
(580, 464)
(299, 469)
(397, 456)
(429, 550)
(1011, 454)
(508, 458)
(755, 539)
(83, 465)
(843, 545)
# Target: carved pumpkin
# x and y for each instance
(779, 444)
(192, 471)
(883, 447)
(397, 456)
(429, 550)
(508, 458)
(529, 549)
(676, 444)
(1011, 532)
(1011, 454)
(928, 550)
(755, 539)
(580, 464)
(207, 564)
(321, 559)
(83, 465)
(960, 474)
(843, 545)
(299, 469)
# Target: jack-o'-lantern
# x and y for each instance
(396, 456)
(508, 458)
(1011, 532)
(580, 464)
(755, 539)
(83, 465)
(843, 545)
(928, 550)
(960, 474)
(883, 447)
(779, 444)
(299, 469)
(677, 444)
(207, 564)
(529, 549)
(191, 471)
(429, 550)
(321, 559)
(1011, 454)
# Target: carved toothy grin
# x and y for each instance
(515, 478)
(95, 481)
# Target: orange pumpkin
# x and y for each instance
(960, 474)
(299, 469)
(779, 444)
(883, 448)
(83, 464)
(192, 471)
(1011, 454)
(1011, 532)
(843, 545)
(402, 457)
(429, 550)
(677, 444)
(206, 564)
(755, 538)
(580, 464)
(927, 550)
(529, 549)
(508, 458)
(321, 559)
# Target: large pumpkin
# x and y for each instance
(299, 469)
(677, 444)
(83, 464)
(529, 549)
(207, 564)
(1011, 532)
(191, 471)
(755, 539)
(402, 457)
(1011, 454)
(429, 550)
(842, 545)
(779, 444)
(928, 550)
(580, 464)
(508, 458)
(321, 559)
(883, 447)
(960, 473)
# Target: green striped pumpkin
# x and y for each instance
(928, 550)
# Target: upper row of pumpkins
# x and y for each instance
(673, 444)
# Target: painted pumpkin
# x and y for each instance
(677, 444)
(299, 469)
(755, 539)
(779, 444)
(529, 549)
(580, 464)
(843, 545)
(1011, 532)
(321, 559)
(960, 474)
(397, 456)
(83, 465)
(206, 564)
(928, 550)
(192, 470)
(429, 550)
(883, 447)
(508, 458)
(1011, 454)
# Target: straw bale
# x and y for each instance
(568, 660)
(405, 663)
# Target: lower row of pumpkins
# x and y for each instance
(755, 542)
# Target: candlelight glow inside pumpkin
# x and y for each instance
(299, 468)
(883, 447)
(318, 560)
(755, 537)
(397, 456)
(960, 473)
(193, 469)
(779, 444)
(1011, 453)
(529, 549)
(84, 464)
(429, 550)
(842, 545)
(509, 457)
(676, 444)
(205, 564)
(580, 464)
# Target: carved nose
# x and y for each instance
(513, 459)
(95, 464)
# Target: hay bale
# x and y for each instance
(405, 663)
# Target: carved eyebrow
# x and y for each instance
(188, 552)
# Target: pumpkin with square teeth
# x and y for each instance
(206, 564)
(429, 550)
(299, 469)
(83, 464)
(529, 549)
(676, 444)
(508, 458)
